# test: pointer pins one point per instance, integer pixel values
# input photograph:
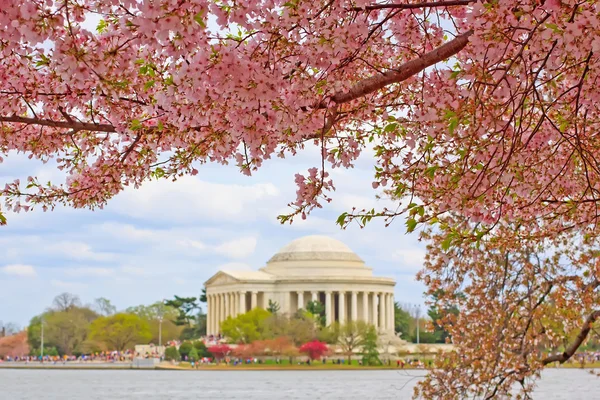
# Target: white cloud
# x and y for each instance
(78, 251)
(238, 248)
(190, 199)
(190, 243)
(89, 271)
(412, 259)
(66, 285)
(22, 270)
(234, 266)
(131, 270)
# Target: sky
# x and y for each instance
(168, 238)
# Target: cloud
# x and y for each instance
(21, 270)
(89, 271)
(191, 199)
(238, 248)
(411, 259)
(65, 285)
(78, 251)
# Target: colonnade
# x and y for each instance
(373, 307)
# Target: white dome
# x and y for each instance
(315, 248)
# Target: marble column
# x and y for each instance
(328, 308)
(300, 300)
(219, 312)
(210, 312)
(342, 307)
(253, 299)
(354, 305)
(392, 313)
(227, 305)
(382, 314)
(374, 318)
(366, 307)
(242, 302)
(314, 296)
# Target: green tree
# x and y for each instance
(351, 336)
(185, 348)
(193, 354)
(202, 297)
(402, 321)
(370, 354)
(68, 330)
(201, 349)
(185, 306)
(153, 314)
(299, 328)
(317, 310)
(172, 354)
(247, 327)
(103, 306)
(120, 331)
(273, 307)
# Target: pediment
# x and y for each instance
(221, 278)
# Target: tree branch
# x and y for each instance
(77, 126)
(403, 72)
(404, 6)
(572, 348)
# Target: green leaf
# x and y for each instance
(411, 224)
(198, 18)
(390, 127)
(159, 172)
(149, 84)
(430, 171)
(2, 219)
(447, 243)
(135, 124)
(101, 27)
(341, 219)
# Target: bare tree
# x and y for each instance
(66, 301)
(8, 329)
(104, 307)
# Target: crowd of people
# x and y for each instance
(102, 356)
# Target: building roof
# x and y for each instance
(315, 248)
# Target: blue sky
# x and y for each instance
(168, 238)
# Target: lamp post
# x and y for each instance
(418, 315)
(42, 341)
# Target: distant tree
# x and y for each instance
(220, 351)
(351, 336)
(273, 307)
(370, 354)
(186, 307)
(14, 345)
(67, 330)
(314, 350)
(103, 306)
(299, 328)
(9, 329)
(172, 354)
(201, 348)
(291, 352)
(438, 314)
(193, 354)
(247, 327)
(203, 298)
(317, 310)
(120, 331)
(402, 321)
(278, 346)
(65, 301)
(185, 348)
(153, 313)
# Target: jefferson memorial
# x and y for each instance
(310, 268)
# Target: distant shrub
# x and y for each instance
(172, 354)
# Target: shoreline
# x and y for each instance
(237, 368)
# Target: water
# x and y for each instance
(567, 384)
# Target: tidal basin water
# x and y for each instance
(571, 384)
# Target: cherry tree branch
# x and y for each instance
(403, 72)
(572, 348)
(77, 126)
(404, 6)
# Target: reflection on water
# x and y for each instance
(567, 384)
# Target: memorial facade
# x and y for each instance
(307, 269)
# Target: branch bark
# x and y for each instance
(403, 72)
(572, 348)
(404, 6)
(77, 126)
